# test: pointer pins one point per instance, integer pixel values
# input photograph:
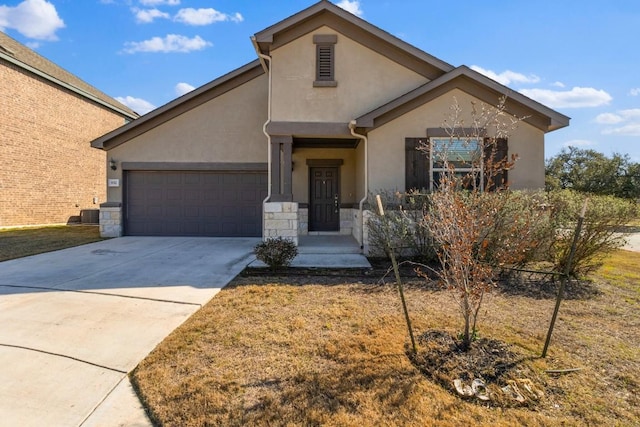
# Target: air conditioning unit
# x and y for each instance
(90, 216)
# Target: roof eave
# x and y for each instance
(266, 37)
(555, 120)
(67, 86)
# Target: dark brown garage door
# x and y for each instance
(194, 203)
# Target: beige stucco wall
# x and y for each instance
(387, 149)
(227, 129)
(365, 79)
(348, 193)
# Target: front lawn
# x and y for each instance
(18, 243)
(303, 350)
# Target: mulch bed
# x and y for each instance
(499, 366)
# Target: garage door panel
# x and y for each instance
(172, 179)
(194, 203)
(192, 179)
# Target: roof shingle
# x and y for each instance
(21, 55)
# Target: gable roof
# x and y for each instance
(444, 77)
(326, 13)
(180, 105)
(18, 54)
(474, 83)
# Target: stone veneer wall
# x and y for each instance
(110, 221)
(366, 247)
(357, 226)
(348, 219)
(281, 220)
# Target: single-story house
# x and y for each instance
(48, 116)
(292, 143)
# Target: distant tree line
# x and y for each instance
(592, 172)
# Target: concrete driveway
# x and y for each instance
(74, 322)
(633, 242)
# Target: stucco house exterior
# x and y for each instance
(48, 117)
(292, 143)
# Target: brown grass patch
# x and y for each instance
(18, 243)
(307, 350)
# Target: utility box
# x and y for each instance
(90, 216)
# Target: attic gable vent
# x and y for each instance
(325, 60)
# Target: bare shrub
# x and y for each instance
(472, 229)
(402, 227)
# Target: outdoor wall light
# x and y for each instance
(113, 164)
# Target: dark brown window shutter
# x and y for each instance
(496, 156)
(324, 62)
(416, 165)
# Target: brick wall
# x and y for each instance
(48, 170)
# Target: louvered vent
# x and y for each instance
(325, 62)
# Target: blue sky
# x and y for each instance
(580, 57)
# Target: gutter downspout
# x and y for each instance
(266, 63)
(365, 140)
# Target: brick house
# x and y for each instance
(48, 117)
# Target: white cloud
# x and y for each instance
(170, 43)
(207, 16)
(138, 105)
(159, 2)
(557, 84)
(183, 88)
(632, 129)
(36, 19)
(579, 143)
(351, 6)
(507, 77)
(628, 119)
(635, 91)
(578, 97)
(608, 119)
(146, 16)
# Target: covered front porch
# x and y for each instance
(317, 184)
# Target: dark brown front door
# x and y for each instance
(324, 200)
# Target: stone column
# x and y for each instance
(111, 220)
(281, 220)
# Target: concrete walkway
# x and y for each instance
(75, 322)
(326, 251)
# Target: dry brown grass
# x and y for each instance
(264, 352)
(18, 243)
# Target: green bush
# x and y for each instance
(605, 217)
(517, 227)
(519, 231)
(276, 252)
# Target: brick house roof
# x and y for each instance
(20, 55)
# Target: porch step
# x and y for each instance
(324, 261)
(328, 244)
